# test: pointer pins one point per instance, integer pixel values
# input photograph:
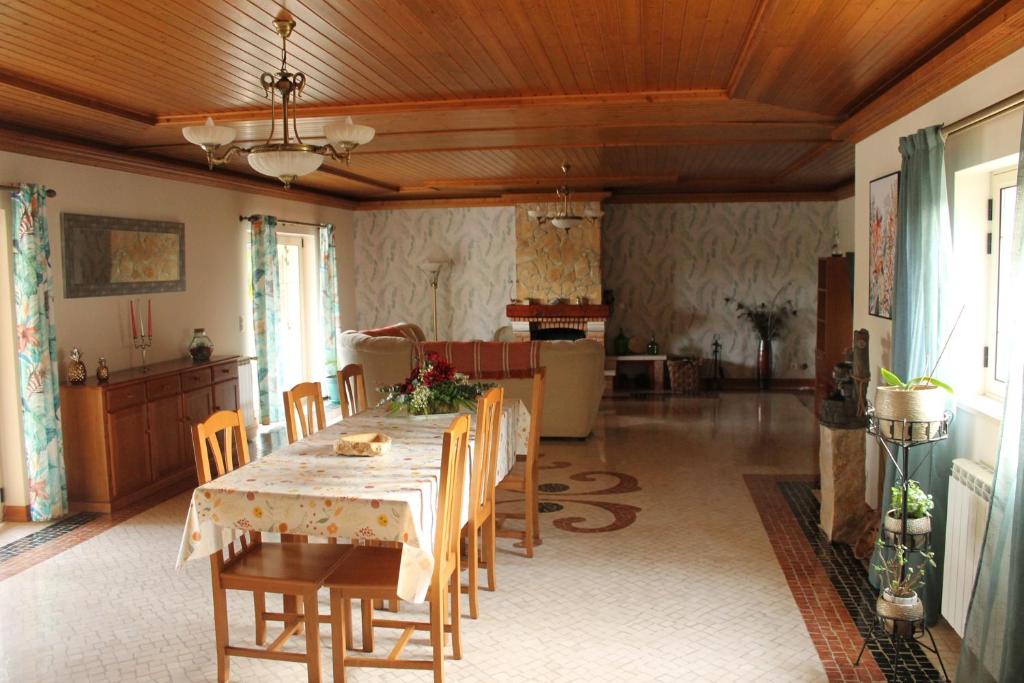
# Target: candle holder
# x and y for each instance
(141, 343)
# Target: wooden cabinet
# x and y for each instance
(129, 449)
(835, 321)
(131, 437)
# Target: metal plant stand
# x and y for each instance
(896, 438)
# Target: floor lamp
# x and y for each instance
(434, 267)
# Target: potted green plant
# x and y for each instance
(898, 604)
(912, 410)
(919, 520)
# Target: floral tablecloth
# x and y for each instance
(304, 488)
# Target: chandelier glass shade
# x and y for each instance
(564, 215)
(285, 157)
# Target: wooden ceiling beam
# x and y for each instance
(754, 32)
(59, 93)
(23, 141)
(362, 179)
(999, 35)
(475, 103)
(806, 159)
(549, 182)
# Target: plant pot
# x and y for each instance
(764, 364)
(911, 415)
(918, 529)
(899, 615)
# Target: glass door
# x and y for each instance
(291, 334)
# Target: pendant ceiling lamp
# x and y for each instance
(286, 157)
(564, 215)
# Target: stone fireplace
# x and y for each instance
(558, 280)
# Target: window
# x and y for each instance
(291, 328)
(1003, 202)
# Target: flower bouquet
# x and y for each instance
(433, 387)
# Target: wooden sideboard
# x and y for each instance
(131, 437)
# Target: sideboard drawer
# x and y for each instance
(165, 386)
(225, 371)
(124, 397)
(193, 379)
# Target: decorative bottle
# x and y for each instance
(200, 348)
(652, 347)
(102, 371)
(621, 344)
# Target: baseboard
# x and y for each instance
(779, 384)
(17, 513)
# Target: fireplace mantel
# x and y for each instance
(589, 318)
(544, 312)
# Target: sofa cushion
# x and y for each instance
(487, 360)
(410, 331)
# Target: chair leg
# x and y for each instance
(259, 603)
(437, 635)
(490, 543)
(367, 611)
(312, 618)
(346, 613)
(456, 598)
(220, 625)
(340, 637)
(473, 558)
(528, 519)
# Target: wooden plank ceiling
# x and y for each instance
(481, 98)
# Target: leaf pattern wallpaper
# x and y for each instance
(472, 292)
(671, 266)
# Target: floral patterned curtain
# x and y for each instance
(329, 315)
(39, 381)
(265, 288)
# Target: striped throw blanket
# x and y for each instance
(487, 360)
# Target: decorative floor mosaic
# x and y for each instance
(831, 587)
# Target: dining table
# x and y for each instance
(305, 488)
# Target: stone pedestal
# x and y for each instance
(841, 460)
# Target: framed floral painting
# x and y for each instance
(106, 256)
(883, 205)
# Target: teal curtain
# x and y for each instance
(266, 286)
(993, 646)
(920, 324)
(38, 375)
(329, 313)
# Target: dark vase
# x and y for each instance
(764, 364)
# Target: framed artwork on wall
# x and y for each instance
(883, 205)
(106, 256)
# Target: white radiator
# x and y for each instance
(247, 395)
(970, 490)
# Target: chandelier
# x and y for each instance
(289, 157)
(564, 215)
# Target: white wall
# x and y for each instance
(879, 155)
(216, 294)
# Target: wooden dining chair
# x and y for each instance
(304, 410)
(371, 572)
(352, 389)
(481, 494)
(292, 569)
(524, 477)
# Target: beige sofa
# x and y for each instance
(574, 369)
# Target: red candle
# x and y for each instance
(149, 316)
(131, 313)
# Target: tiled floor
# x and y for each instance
(655, 566)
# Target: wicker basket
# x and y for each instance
(684, 375)
(900, 616)
(918, 529)
(924, 405)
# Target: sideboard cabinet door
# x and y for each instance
(198, 405)
(129, 449)
(225, 395)
(166, 436)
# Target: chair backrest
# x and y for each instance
(304, 401)
(536, 413)
(449, 499)
(220, 439)
(485, 453)
(352, 389)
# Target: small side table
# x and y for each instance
(655, 366)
